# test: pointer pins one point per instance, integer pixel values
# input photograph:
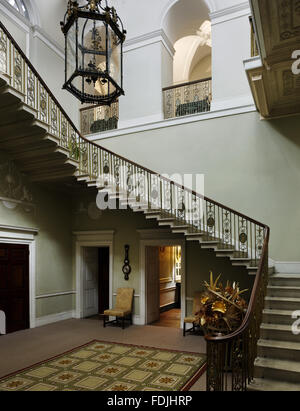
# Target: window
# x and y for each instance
(20, 6)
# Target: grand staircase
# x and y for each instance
(45, 144)
(277, 367)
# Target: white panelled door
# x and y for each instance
(90, 281)
(152, 285)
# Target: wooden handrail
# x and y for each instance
(252, 302)
(188, 83)
(115, 154)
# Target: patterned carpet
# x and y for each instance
(105, 366)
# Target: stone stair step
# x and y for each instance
(82, 177)
(141, 208)
(92, 183)
(208, 242)
(177, 229)
(164, 221)
(152, 215)
(194, 237)
(261, 384)
(289, 280)
(280, 332)
(283, 291)
(245, 260)
(278, 317)
(282, 350)
(282, 303)
(252, 270)
(132, 202)
(274, 369)
(225, 252)
(195, 234)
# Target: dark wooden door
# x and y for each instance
(14, 286)
(103, 279)
(152, 285)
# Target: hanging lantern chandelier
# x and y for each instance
(94, 37)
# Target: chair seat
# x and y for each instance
(117, 313)
(190, 320)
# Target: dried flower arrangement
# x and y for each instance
(221, 308)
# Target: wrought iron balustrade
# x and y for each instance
(230, 230)
(187, 98)
(96, 119)
(231, 357)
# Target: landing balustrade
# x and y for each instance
(187, 98)
(96, 119)
(231, 357)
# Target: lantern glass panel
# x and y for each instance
(71, 51)
(92, 45)
(114, 57)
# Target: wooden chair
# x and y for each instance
(193, 319)
(122, 309)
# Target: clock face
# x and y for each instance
(126, 269)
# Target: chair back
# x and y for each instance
(197, 302)
(124, 299)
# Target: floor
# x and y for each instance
(169, 318)
(25, 348)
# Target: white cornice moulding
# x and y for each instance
(148, 39)
(21, 230)
(82, 233)
(137, 126)
(230, 13)
(92, 236)
(39, 33)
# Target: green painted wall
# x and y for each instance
(199, 262)
(53, 242)
(250, 165)
(125, 225)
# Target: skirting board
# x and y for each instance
(54, 318)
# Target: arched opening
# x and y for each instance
(188, 27)
(20, 6)
(27, 9)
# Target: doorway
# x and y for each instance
(95, 275)
(163, 269)
(14, 286)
